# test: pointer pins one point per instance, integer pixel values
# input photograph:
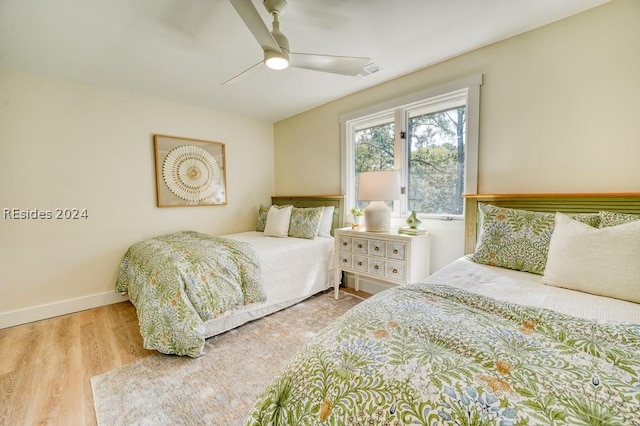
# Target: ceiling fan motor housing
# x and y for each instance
(273, 59)
(275, 6)
(280, 38)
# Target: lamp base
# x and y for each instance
(377, 217)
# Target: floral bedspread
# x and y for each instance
(437, 355)
(179, 281)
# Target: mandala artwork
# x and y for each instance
(191, 173)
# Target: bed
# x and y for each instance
(492, 338)
(188, 286)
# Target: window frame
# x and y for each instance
(399, 108)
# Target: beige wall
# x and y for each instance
(559, 111)
(66, 145)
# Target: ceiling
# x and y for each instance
(184, 49)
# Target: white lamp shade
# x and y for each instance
(379, 186)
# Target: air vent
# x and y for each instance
(368, 70)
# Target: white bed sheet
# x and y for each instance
(292, 270)
(525, 288)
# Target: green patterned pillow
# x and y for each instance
(591, 219)
(262, 218)
(518, 239)
(304, 222)
(608, 219)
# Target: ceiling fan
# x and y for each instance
(275, 44)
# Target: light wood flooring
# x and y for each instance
(359, 293)
(46, 366)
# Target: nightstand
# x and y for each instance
(386, 256)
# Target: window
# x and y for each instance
(374, 148)
(435, 170)
(431, 137)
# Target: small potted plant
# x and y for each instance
(358, 217)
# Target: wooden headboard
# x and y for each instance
(566, 203)
(336, 201)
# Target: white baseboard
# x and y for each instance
(50, 310)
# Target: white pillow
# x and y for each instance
(324, 228)
(598, 261)
(278, 219)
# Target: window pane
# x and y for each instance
(436, 162)
(373, 151)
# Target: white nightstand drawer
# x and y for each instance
(376, 267)
(360, 263)
(380, 256)
(377, 248)
(395, 270)
(396, 251)
(360, 245)
(344, 243)
(345, 260)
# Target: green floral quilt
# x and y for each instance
(179, 281)
(437, 355)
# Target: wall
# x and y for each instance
(559, 109)
(69, 145)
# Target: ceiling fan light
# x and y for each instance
(275, 60)
(277, 63)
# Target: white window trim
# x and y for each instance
(471, 84)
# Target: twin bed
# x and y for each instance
(189, 286)
(520, 331)
(481, 341)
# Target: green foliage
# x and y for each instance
(374, 148)
(436, 165)
(374, 151)
(436, 162)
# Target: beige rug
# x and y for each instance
(220, 387)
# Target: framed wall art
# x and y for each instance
(189, 172)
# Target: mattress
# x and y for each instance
(292, 269)
(527, 289)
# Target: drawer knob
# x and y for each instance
(344, 244)
(376, 267)
(359, 245)
(395, 251)
(395, 270)
(344, 260)
(359, 263)
(377, 248)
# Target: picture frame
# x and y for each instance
(189, 172)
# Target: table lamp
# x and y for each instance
(378, 187)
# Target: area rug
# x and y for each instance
(220, 387)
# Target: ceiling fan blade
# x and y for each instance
(242, 74)
(344, 65)
(256, 25)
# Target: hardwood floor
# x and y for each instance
(46, 366)
(361, 294)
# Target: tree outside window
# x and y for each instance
(430, 136)
(436, 162)
(374, 151)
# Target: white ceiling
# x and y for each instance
(184, 49)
